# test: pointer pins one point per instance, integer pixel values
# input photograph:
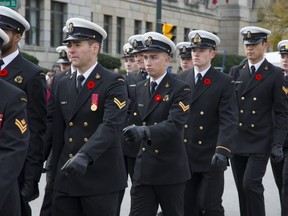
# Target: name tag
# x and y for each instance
(63, 102)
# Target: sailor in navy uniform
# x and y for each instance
(14, 138)
(184, 49)
(31, 79)
(129, 59)
(161, 168)
(262, 103)
(90, 110)
(280, 168)
(209, 130)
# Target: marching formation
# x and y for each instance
(173, 133)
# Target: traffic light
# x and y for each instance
(167, 30)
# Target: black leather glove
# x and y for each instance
(134, 133)
(77, 165)
(277, 154)
(29, 190)
(219, 160)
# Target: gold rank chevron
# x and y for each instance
(119, 104)
(184, 108)
(22, 125)
(285, 89)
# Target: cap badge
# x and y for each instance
(197, 38)
(286, 46)
(149, 40)
(18, 79)
(184, 49)
(70, 27)
(63, 54)
(135, 43)
(249, 34)
(128, 50)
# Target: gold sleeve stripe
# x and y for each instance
(184, 108)
(285, 89)
(22, 125)
(119, 104)
(23, 99)
(223, 148)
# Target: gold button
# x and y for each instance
(201, 127)
(185, 126)
(254, 98)
(156, 151)
(70, 155)
(253, 112)
(135, 114)
(199, 142)
(185, 140)
(240, 124)
(143, 123)
(70, 139)
(143, 149)
(85, 124)
(201, 113)
(252, 125)
(242, 98)
(85, 139)
(70, 124)
(241, 111)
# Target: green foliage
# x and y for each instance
(30, 58)
(109, 62)
(275, 18)
(231, 60)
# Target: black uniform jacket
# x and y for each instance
(163, 159)
(31, 79)
(263, 108)
(78, 126)
(132, 79)
(14, 137)
(213, 118)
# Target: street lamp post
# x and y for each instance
(158, 16)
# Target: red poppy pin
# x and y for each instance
(207, 81)
(157, 97)
(258, 77)
(90, 84)
(3, 73)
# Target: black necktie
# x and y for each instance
(1, 63)
(80, 79)
(199, 77)
(253, 70)
(153, 85)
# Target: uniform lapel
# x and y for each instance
(14, 68)
(207, 81)
(94, 80)
(259, 76)
(159, 95)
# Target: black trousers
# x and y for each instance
(129, 165)
(203, 194)
(99, 205)
(280, 173)
(145, 199)
(12, 205)
(248, 172)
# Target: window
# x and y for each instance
(32, 11)
(137, 27)
(119, 34)
(108, 29)
(186, 32)
(58, 19)
(148, 27)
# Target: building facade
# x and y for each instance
(123, 18)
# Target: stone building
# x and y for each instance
(123, 18)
